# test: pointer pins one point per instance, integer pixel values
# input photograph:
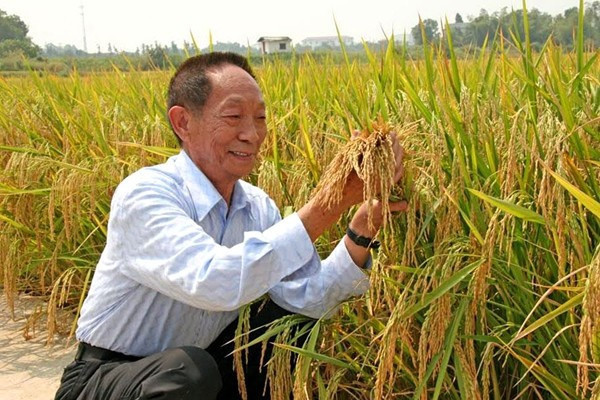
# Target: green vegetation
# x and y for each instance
(18, 53)
(15, 46)
(487, 288)
(542, 25)
(13, 37)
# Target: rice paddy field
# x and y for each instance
(487, 288)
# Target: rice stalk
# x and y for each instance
(279, 370)
(589, 330)
(493, 121)
(395, 328)
(596, 390)
(240, 340)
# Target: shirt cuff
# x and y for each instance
(291, 242)
(350, 274)
(368, 263)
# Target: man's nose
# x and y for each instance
(250, 131)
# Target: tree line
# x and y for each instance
(15, 43)
(542, 26)
(13, 37)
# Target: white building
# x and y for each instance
(315, 42)
(274, 44)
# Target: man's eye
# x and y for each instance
(233, 116)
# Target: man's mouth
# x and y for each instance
(241, 154)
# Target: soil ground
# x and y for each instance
(29, 369)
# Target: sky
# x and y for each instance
(126, 24)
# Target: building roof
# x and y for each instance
(274, 39)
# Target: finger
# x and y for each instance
(395, 143)
(399, 172)
(399, 152)
(399, 206)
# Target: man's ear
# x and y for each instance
(180, 120)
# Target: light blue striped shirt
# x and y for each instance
(178, 264)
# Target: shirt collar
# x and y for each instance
(204, 194)
(240, 198)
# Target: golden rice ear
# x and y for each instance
(371, 157)
(589, 328)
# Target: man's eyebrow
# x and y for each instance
(234, 99)
(238, 100)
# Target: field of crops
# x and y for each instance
(488, 287)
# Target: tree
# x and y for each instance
(510, 25)
(68, 50)
(592, 23)
(481, 27)
(13, 37)
(540, 26)
(430, 27)
(158, 55)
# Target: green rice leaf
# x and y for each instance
(318, 356)
(449, 345)
(511, 208)
(444, 287)
(587, 201)
(566, 306)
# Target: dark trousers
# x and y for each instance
(181, 373)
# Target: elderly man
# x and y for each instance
(189, 243)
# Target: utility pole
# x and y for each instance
(83, 25)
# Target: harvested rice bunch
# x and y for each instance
(371, 157)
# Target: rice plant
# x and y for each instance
(487, 288)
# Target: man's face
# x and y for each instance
(225, 136)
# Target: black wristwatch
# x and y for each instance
(363, 241)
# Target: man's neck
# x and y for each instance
(226, 191)
(224, 187)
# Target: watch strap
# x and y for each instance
(362, 241)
